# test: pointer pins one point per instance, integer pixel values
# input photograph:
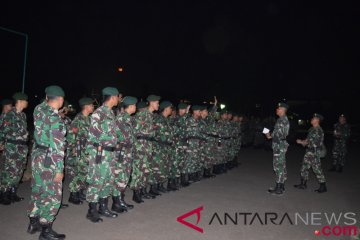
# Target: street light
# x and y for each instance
(25, 52)
(222, 106)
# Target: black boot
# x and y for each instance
(6, 198)
(147, 195)
(216, 169)
(302, 184)
(93, 214)
(137, 196)
(207, 173)
(82, 195)
(177, 183)
(116, 205)
(104, 210)
(282, 187)
(322, 188)
(332, 169)
(47, 233)
(154, 191)
(64, 205)
(339, 169)
(161, 188)
(184, 182)
(74, 198)
(34, 225)
(277, 190)
(172, 185)
(13, 195)
(123, 203)
(212, 175)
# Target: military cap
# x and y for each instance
(128, 100)
(54, 91)
(223, 112)
(319, 116)
(182, 106)
(153, 98)
(196, 108)
(165, 104)
(110, 91)
(20, 96)
(85, 101)
(342, 115)
(141, 105)
(282, 104)
(6, 102)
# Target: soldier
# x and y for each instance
(279, 146)
(194, 138)
(313, 143)
(47, 160)
(224, 143)
(77, 139)
(101, 146)
(6, 106)
(123, 166)
(341, 137)
(145, 132)
(14, 137)
(181, 142)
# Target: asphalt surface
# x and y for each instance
(241, 190)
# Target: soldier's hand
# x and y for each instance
(58, 177)
(188, 108)
(215, 101)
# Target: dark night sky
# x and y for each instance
(242, 51)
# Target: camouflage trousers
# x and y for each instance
(99, 177)
(81, 171)
(160, 163)
(174, 170)
(279, 164)
(209, 153)
(45, 193)
(339, 153)
(141, 168)
(193, 156)
(14, 164)
(180, 156)
(121, 170)
(312, 160)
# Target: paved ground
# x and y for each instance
(241, 190)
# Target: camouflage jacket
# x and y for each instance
(14, 127)
(281, 130)
(125, 129)
(180, 129)
(144, 124)
(78, 131)
(343, 130)
(224, 128)
(164, 132)
(50, 132)
(102, 128)
(315, 138)
(193, 129)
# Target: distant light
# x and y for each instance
(222, 106)
(301, 122)
(120, 69)
(257, 105)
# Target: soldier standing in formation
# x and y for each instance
(341, 138)
(313, 144)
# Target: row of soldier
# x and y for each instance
(105, 151)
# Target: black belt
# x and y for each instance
(165, 143)
(17, 142)
(41, 147)
(213, 135)
(225, 138)
(196, 138)
(106, 148)
(145, 138)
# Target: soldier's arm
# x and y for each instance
(57, 143)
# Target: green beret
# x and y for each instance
(203, 108)
(20, 96)
(110, 91)
(54, 91)
(282, 104)
(141, 105)
(182, 106)
(153, 98)
(128, 100)
(196, 108)
(319, 116)
(165, 104)
(85, 101)
(6, 102)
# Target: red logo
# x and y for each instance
(195, 211)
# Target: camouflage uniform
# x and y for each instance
(77, 139)
(142, 162)
(125, 153)
(315, 140)
(279, 146)
(210, 146)
(225, 141)
(340, 148)
(193, 151)
(47, 159)
(13, 136)
(102, 140)
(180, 143)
